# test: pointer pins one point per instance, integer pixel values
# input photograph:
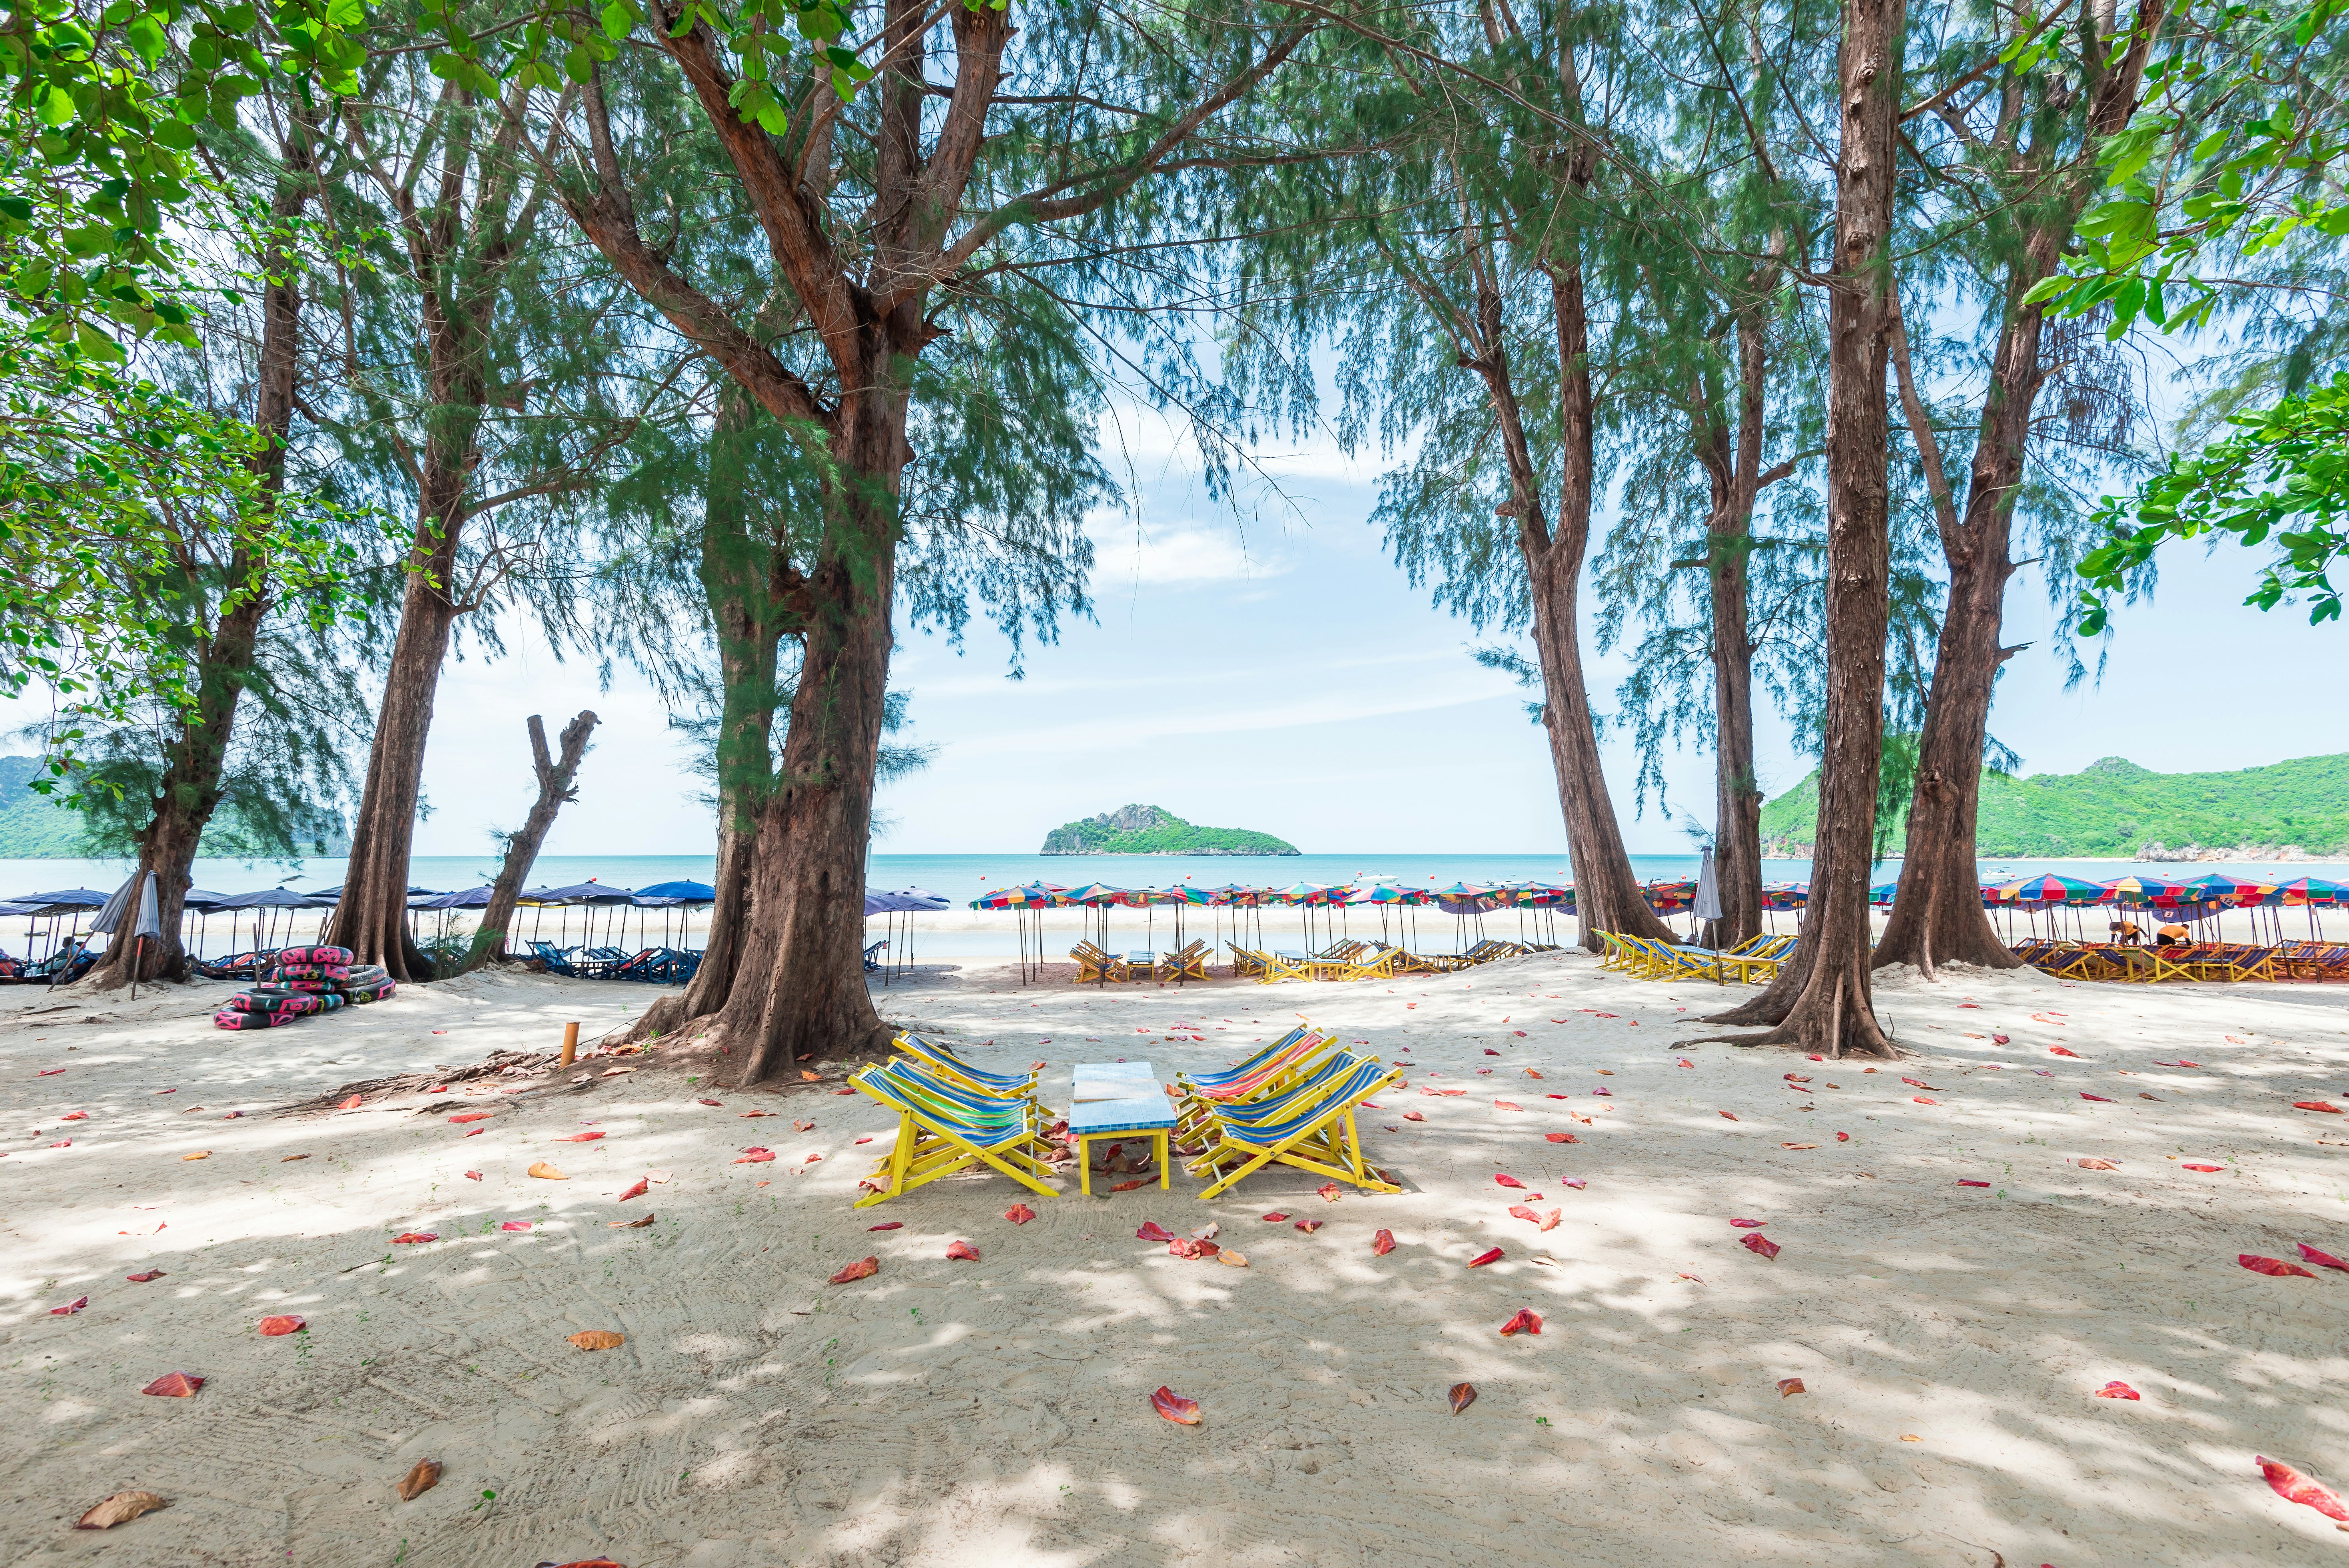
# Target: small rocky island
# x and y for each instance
(1154, 830)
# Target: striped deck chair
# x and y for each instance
(1189, 963)
(1269, 966)
(1294, 1057)
(1094, 964)
(1268, 1103)
(1310, 1127)
(1377, 961)
(941, 1060)
(941, 1131)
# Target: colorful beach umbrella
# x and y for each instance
(2039, 891)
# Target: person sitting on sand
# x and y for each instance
(2126, 933)
(2170, 936)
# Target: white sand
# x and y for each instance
(994, 1413)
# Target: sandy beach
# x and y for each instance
(1953, 1290)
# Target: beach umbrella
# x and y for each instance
(2039, 891)
(470, 898)
(669, 894)
(2138, 891)
(2227, 892)
(2308, 890)
(1704, 908)
(130, 915)
(65, 899)
(1882, 893)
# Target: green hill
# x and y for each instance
(1151, 830)
(2114, 808)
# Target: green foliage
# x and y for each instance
(2114, 807)
(2283, 475)
(99, 113)
(1154, 830)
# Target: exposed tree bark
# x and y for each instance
(1732, 466)
(746, 575)
(190, 790)
(797, 986)
(556, 786)
(457, 270)
(1607, 896)
(1939, 917)
(1821, 998)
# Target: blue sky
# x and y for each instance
(1281, 675)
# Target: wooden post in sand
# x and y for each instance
(570, 1042)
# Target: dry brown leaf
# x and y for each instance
(2090, 1164)
(419, 1481)
(629, 1224)
(547, 1172)
(1463, 1396)
(598, 1339)
(120, 1509)
(1228, 1256)
(1788, 1387)
(811, 1077)
(291, 1158)
(199, 1154)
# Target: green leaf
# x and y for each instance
(618, 20)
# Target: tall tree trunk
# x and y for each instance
(799, 990)
(556, 777)
(1735, 470)
(1822, 999)
(189, 791)
(1607, 896)
(744, 571)
(372, 918)
(1938, 917)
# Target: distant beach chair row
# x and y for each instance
(654, 965)
(1347, 960)
(1757, 958)
(2205, 961)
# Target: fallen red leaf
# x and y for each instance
(1506, 1105)
(1382, 1243)
(1762, 1245)
(2118, 1391)
(473, 1116)
(1921, 1099)
(350, 1104)
(580, 1137)
(409, 1237)
(811, 1077)
(2105, 1098)
(1020, 1214)
(2325, 1260)
(638, 1190)
(174, 1386)
(888, 1225)
(473, 1175)
(1526, 1321)
(1843, 1138)
(962, 1250)
(756, 1157)
(705, 1102)
(69, 1308)
(1174, 1408)
(1963, 1182)
(143, 1278)
(1275, 1217)
(1481, 1259)
(862, 1268)
(1329, 1192)
(2001, 1039)
(1790, 1386)
(1508, 1182)
(2316, 1105)
(515, 1226)
(75, 1116)
(2276, 1266)
(2063, 1051)
(1462, 1395)
(796, 1126)
(1412, 1116)
(2202, 1168)
(1725, 1116)
(1519, 1211)
(1749, 1224)
(1130, 1186)
(271, 1327)
(1151, 1231)
(1308, 1226)
(2294, 1487)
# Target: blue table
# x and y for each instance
(1115, 1100)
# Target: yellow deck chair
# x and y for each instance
(940, 1131)
(1313, 1130)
